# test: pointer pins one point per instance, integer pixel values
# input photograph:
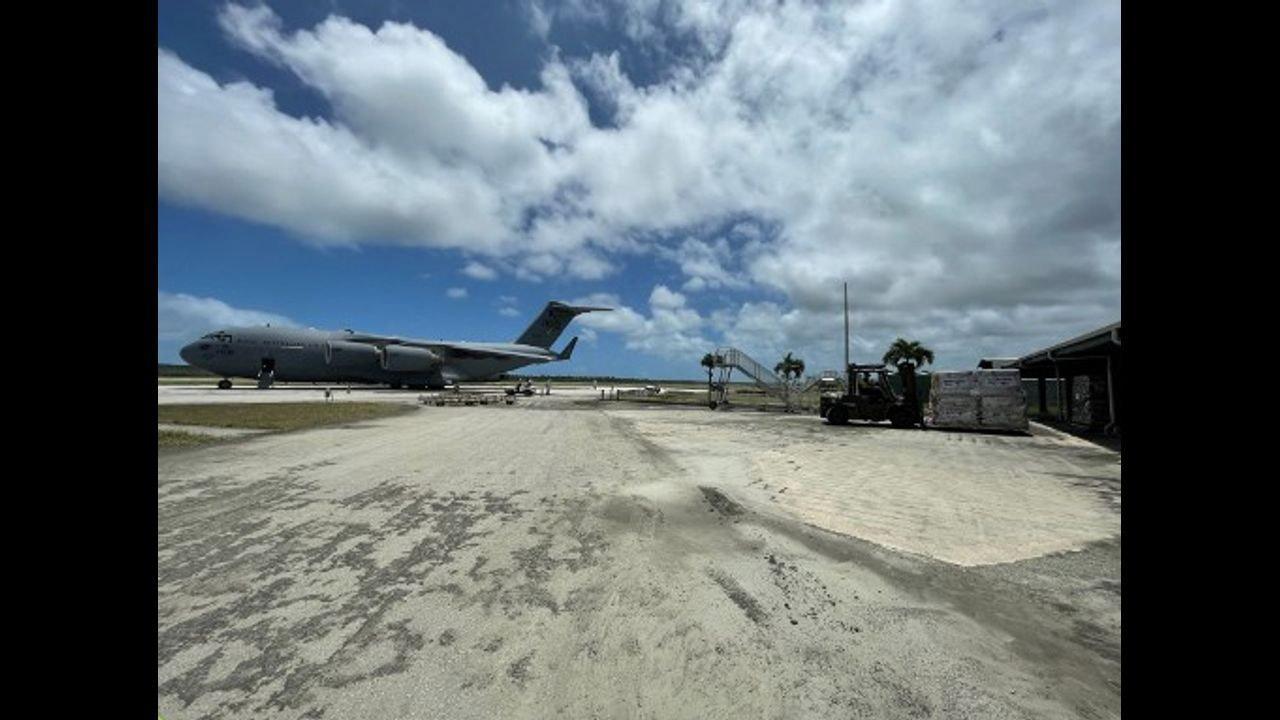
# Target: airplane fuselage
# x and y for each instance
(308, 355)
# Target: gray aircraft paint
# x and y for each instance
(308, 355)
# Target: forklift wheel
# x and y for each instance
(838, 415)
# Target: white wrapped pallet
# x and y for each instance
(947, 410)
(953, 383)
(966, 421)
(953, 400)
(1003, 404)
(955, 403)
(973, 399)
(1004, 413)
(999, 382)
(1089, 401)
(953, 411)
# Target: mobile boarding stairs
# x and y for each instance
(728, 359)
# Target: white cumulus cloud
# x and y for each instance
(183, 317)
(479, 271)
(671, 330)
(958, 164)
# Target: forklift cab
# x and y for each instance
(870, 397)
(874, 386)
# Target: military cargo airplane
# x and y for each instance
(267, 354)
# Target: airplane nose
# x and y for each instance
(188, 354)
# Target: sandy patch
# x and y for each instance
(964, 498)
(951, 505)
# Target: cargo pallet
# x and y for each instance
(983, 400)
(929, 424)
(466, 398)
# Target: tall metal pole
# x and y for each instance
(846, 327)
(850, 387)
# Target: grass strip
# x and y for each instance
(278, 416)
(180, 439)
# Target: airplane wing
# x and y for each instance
(453, 350)
(469, 352)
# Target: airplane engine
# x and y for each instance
(341, 354)
(397, 358)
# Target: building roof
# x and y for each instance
(1105, 339)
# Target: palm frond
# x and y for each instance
(907, 351)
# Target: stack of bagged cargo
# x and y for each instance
(953, 400)
(1089, 401)
(1003, 404)
(977, 399)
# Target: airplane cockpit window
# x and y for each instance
(218, 336)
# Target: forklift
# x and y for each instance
(867, 395)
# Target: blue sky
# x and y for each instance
(382, 289)
(712, 168)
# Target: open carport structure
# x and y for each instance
(1087, 370)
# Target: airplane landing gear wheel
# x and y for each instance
(224, 384)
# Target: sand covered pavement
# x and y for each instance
(962, 497)
(568, 558)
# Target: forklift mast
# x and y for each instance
(909, 395)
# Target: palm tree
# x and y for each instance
(709, 362)
(910, 352)
(789, 367)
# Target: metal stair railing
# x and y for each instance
(764, 377)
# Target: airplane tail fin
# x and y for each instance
(555, 317)
(567, 352)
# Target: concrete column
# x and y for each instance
(1111, 398)
(1057, 384)
(1071, 382)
